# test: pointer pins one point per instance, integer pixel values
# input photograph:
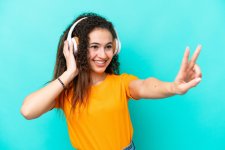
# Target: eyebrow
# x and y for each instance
(99, 43)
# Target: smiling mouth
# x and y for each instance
(100, 63)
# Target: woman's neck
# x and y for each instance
(97, 78)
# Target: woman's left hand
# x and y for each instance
(189, 74)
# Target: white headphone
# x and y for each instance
(75, 45)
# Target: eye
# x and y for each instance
(109, 47)
(94, 47)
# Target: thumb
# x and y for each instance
(192, 83)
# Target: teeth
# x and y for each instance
(100, 62)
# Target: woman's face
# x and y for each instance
(100, 50)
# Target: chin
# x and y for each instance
(99, 70)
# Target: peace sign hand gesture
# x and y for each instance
(189, 74)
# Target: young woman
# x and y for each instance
(88, 88)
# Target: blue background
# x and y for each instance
(154, 35)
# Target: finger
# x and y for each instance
(192, 76)
(65, 48)
(197, 71)
(184, 63)
(192, 83)
(72, 49)
(71, 46)
(194, 57)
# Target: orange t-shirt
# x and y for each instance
(105, 124)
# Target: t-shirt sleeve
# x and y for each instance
(126, 79)
(62, 99)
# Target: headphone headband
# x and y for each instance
(70, 39)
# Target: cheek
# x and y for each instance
(110, 59)
(91, 54)
(111, 56)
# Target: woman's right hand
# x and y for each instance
(70, 59)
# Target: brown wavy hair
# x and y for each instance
(80, 86)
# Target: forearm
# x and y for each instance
(43, 99)
(153, 88)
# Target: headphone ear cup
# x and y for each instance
(74, 45)
(114, 45)
(118, 45)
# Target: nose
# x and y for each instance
(102, 53)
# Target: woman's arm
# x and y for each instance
(151, 88)
(39, 102)
(188, 76)
(42, 100)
